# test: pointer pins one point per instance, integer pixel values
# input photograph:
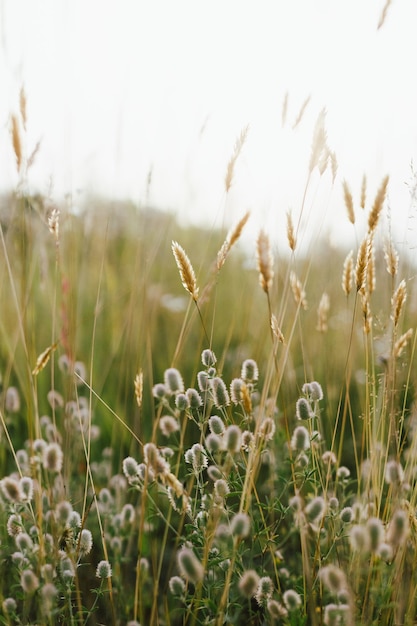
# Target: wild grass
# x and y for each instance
(196, 429)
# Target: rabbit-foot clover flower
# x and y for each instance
(29, 581)
(11, 489)
(300, 440)
(173, 380)
(303, 410)
(190, 567)
(313, 391)
(52, 457)
(103, 570)
(219, 391)
(249, 372)
(208, 358)
(176, 586)
(248, 583)
(85, 542)
(264, 590)
(240, 525)
(292, 600)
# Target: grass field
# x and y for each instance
(197, 428)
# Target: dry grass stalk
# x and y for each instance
(284, 110)
(236, 152)
(265, 261)
(398, 301)
(298, 291)
(363, 192)
(139, 388)
(292, 240)
(301, 112)
(347, 276)
(319, 140)
(17, 142)
(22, 104)
(391, 258)
(401, 343)
(361, 263)
(348, 202)
(276, 329)
(232, 237)
(383, 15)
(322, 311)
(377, 206)
(186, 270)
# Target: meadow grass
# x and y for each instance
(198, 430)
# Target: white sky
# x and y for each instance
(117, 88)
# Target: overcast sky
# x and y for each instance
(116, 90)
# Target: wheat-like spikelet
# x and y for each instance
(43, 359)
(292, 240)
(284, 110)
(383, 15)
(232, 237)
(53, 222)
(347, 276)
(236, 152)
(361, 263)
(378, 205)
(401, 343)
(265, 261)
(186, 270)
(322, 311)
(323, 160)
(398, 301)
(366, 310)
(17, 141)
(301, 112)
(391, 257)
(22, 104)
(139, 388)
(370, 267)
(319, 140)
(276, 329)
(334, 165)
(298, 291)
(363, 192)
(348, 202)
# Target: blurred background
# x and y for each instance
(143, 102)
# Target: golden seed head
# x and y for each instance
(348, 202)
(276, 329)
(17, 142)
(391, 258)
(139, 388)
(322, 312)
(298, 291)
(186, 270)
(265, 261)
(292, 241)
(401, 343)
(347, 277)
(378, 205)
(232, 162)
(363, 192)
(398, 301)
